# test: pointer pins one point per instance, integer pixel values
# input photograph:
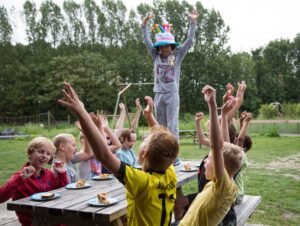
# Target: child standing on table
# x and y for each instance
(33, 177)
(167, 56)
(150, 193)
(225, 159)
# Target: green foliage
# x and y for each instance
(267, 111)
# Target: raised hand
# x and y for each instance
(228, 105)
(248, 117)
(103, 121)
(199, 116)
(147, 18)
(77, 123)
(95, 119)
(209, 94)
(27, 172)
(59, 166)
(193, 15)
(150, 104)
(242, 86)
(122, 107)
(138, 103)
(71, 100)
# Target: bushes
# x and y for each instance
(284, 110)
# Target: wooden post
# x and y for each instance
(49, 120)
(69, 120)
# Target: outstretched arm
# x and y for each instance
(148, 112)
(200, 135)
(239, 100)
(182, 51)
(146, 35)
(115, 142)
(137, 115)
(97, 142)
(216, 138)
(121, 120)
(244, 129)
(224, 117)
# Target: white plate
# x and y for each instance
(73, 186)
(99, 178)
(38, 196)
(95, 202)
(193, 169)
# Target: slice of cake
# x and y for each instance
(187, 167)
(103, 175)
(47, 195)
(102, 197)
(80, 183)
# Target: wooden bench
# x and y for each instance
(246, 208)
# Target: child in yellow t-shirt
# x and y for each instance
(225, 159)
(151, 192)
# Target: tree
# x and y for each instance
(5, 27)
(32, 26)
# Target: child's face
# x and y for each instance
(70, 149)
(209, 167)
(165, 49)
(40, 156)
(128, 144)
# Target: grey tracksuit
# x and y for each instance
(166, 80)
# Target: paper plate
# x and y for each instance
(193, 169)
(38, 196)
(73, 186)
(95, 202)
(99, 178)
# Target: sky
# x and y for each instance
(253, 23)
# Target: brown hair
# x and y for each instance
(125, 134)
(39, 142)
(162, 149)
(247, 144)
(232, 158)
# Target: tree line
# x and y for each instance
(96, 46)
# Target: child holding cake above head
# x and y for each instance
(150, 193)
(167, 56)
(33, 177)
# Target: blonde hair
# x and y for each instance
(162, 149)
(233, 158)
(38, 142)
(62, 138)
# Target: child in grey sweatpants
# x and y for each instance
(167, 61)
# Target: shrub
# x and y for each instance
(267, 111)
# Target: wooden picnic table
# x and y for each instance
(72, 207)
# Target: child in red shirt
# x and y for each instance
(33, 177)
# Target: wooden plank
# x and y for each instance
(257, 121)
(246, 208)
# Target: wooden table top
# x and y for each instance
(73, 204)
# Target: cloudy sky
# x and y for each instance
(253, 23)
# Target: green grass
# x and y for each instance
(279, 187)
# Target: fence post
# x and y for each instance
(69, 120)
(49, 120)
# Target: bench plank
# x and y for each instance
(246, 208)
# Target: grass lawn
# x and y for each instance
(274, 173)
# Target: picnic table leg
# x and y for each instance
(117, 222)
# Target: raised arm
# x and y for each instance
(115, 143)
(239, 100)
(224, 117)
(146, 35)
(216, 138)
(244, 129)
(86, 152)
(184, 48)
(200, 135)
(121, 120)
(148, 112)
(96, 140)
(137, 115)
